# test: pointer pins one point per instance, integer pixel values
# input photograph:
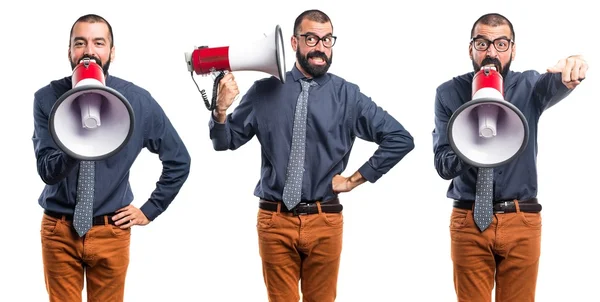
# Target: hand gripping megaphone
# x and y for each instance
(91, 121)
(488, 131)
(265, 55)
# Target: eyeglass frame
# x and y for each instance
(492, 42)
(319, 39)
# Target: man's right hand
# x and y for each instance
(573, 70)
(227, 92)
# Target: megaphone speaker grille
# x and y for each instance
(91, 122)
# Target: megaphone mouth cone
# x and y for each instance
(480, 149)
(112, 134)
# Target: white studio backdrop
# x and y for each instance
(396, 237)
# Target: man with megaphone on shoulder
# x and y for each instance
(88, 130)
(306, 127)
(485, 142)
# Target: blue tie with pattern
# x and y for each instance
(293, 183)
(82, 219)
(484, 198)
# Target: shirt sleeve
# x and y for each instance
(53, 165)
(238, 127)
(374, 124)
(550, 90)
(161, 138)
(447, 163)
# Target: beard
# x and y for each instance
(97, 60)
(503, 70)
(314, 70)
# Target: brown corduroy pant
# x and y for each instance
(305, 249)
(507, 252)
(102, 255)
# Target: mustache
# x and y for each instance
(489, 60)
(317, 54)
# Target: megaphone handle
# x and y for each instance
(215, 91)
(210, 105)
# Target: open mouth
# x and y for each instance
(491, 65)
(317, 61)
(89, 58)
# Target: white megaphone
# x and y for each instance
(488, 131)
(91, 121)
(265, 55)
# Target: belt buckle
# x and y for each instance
(505, 204)
(295, 209)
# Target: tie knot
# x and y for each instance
(306, 83)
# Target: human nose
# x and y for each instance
(491, 51)
(89, 49)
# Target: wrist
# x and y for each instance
(220, 115)
(355, 180)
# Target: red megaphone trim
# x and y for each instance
(87, 69)
(488, 77)
(206, 60)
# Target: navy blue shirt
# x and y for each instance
(337, 113)
(152, 130)
(532, 93)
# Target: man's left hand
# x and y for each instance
(342, 184)
(129, 216)
(573, 70)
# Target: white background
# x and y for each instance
(396, 238)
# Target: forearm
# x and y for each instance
(392, 149)
(54, 166)
(448, 164)
(356, 180)
(550, 90)
(235, 129)
(167, 188)
(219, 133)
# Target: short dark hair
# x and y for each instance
(312, 15)
(92, 18)
(493, 19)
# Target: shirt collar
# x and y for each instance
(298, 75)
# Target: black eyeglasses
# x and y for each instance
(482, 44)
(312, 40)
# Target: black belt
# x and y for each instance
(98, 220)
(303, 208)
(508, 206)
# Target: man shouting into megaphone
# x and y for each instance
(495, 222)
(88, 215)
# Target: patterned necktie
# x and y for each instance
(295, 170)
(82, 219)
(484, 198)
